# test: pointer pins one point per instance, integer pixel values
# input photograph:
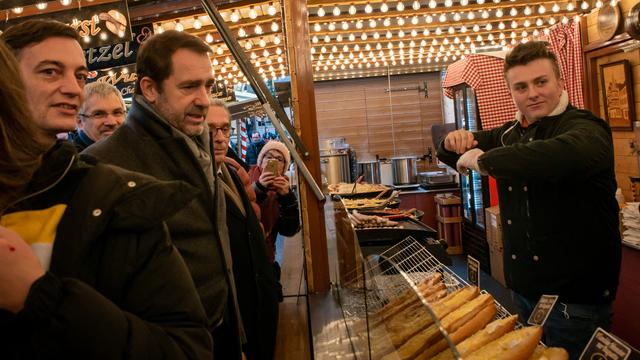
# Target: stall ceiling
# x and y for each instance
(351, 38)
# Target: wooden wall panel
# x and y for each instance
(375, 123)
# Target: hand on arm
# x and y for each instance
(459, 141)
(469, 161)
(19, 269)
(266, 179)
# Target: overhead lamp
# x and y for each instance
(488, 27)
(471, 15)
(400, 6)
(332, 26)
(388, 34)
(17, 10)
(541, 9)
(456, 16)
(448, 3)
(552, 21)
(438, 31)
(363, 36)
(464, 2)
(253, 13)
(432, 4)
(359, 24)
(314, 40)
(160, 29)
(262, 43)
(327, 38)
(352, 37)
(415, 5)
(271, 10)
(480, 2)
(514, 24)
(384, 8)
(429, 19)
(555, 8)
(258, 29)
(376, 35)
(565, 20)
(242, 32)
(485, 14)
(196, 23)
(570, 6)
(414, 33)
(41, 5)
(344, 25)
(598, 4)
(476, 28)
(463, 29)
(442, 17)
(513, 12)
(352, 10)
(401, 34)
(336, 10)
(414, 20)
(400, 21)
(527, 23)
(527, 11)
(499, 13)
(501, 25)
(65, 2)
(316, 27)
(248, 45)
(584, 5)
(276, 40)
(386, 22)
(539, 22)
(339, 38)
(320, 12)
(372, 23)
(274, 26)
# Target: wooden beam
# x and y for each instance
(304, 110)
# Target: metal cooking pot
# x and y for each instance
(370, 170)
(632, 22)
(404, 170)
(336, 168)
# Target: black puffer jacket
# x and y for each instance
(116, 287)
(556, 184)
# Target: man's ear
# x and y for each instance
(149, 89)
(79, 123)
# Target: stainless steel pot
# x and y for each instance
(336, 168)
(370, 170)
(404, 170)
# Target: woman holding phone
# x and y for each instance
(278, 204)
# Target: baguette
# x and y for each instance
(419, 342)
(491, 332)
(467, 329)
(552, 353)
(412, 326)
(516, 345)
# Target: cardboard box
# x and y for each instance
(494, 239)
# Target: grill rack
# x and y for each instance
(385, 277)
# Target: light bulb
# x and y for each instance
(197, 24)
(384, 8)
(400, 21)
(416, 5)
(274, 26)
(513, 12)
(584, 5)
(442, 17)
(414, 20)
(471, 15)
(17, 10)
(598, 4)
(499, 13)
(271, 10)
(316, 27)
(336, 11)
(555, 8)
(179, 26)
(253, 13)
(448, 3)
(320, 12)
(344, 25)
(570, 6)
(352, 10)
(432, 4)
(464, 2)
(527, 11)
(248, 45)
(262, 43)
(41, 5)
(332, 26)
(234, 17)
(258, 29)
(541, 9)
(368, 9)
(359, 24)
(242, 32)
(65, 2)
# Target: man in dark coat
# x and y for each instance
(257, 290)
(164, 136)
(555, 172)
(254, 148)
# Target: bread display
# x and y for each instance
(359, 188)
(552, 353)
(516, 345)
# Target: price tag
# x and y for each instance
(604, 346)
(542, 310)
(473, 271)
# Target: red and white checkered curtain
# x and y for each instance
(243, 140)
(564, 41)
(484, 73)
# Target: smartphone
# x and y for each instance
(272, 167)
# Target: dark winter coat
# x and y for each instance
(255, 281)
(116, 288)
(147, 144)
(556, 185)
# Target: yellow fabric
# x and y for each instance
(35, 226)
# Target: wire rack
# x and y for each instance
(385, 277)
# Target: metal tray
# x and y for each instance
(391, 236)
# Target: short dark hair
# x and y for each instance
(527, 52)
(33, 31)
(154, 56)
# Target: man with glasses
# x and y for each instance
(256, 284)
(101, 113)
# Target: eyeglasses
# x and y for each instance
(225, 130)
(100, 115)
(270, 157)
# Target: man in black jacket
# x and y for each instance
(555, 172)
(87, 269)
(164, 136)
(257, 290)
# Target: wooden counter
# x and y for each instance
(425, 200)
